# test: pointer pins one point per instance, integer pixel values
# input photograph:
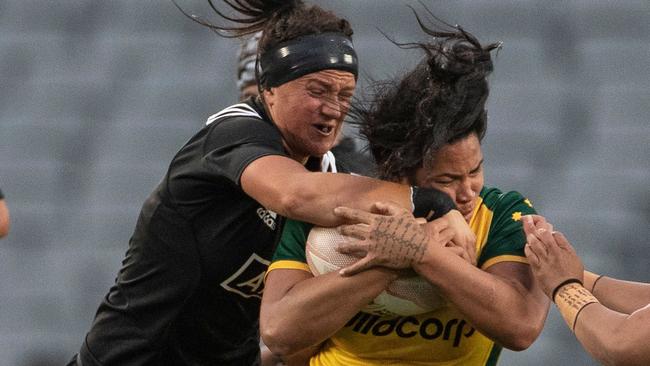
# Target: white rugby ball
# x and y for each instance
(410, 294)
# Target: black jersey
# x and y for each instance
(2, 196)
(190, 286)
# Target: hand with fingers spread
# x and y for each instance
(551, 257)
(388, 236)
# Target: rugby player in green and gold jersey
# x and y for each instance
(426, 130)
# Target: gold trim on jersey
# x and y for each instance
(503, 258)
(287, 264)
(480, 224)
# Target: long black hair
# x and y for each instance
(441, 100)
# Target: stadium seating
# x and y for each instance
(97, 96)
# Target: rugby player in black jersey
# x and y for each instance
(189, 289)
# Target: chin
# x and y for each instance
(322, 149)
(468, 215)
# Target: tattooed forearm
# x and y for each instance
(399, 240)
(392, 237)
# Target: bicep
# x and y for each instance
(286, 187)
(270, 180)
(278, 283)
(520, 276)
(515, 273)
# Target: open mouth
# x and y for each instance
(324, 129)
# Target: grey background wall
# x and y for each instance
(97, 96)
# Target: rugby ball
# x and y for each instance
(409, 294)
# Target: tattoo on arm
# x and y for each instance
(400, 240)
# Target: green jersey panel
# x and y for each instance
(293, 240)
(505, 235)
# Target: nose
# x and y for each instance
(331, 109)
(465, 192)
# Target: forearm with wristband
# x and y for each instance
(592, 278)
(430, 203)
(571, 297)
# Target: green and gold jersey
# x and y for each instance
(441, 337)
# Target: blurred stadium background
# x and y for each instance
(97, 96)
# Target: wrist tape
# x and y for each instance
(565, 282)
(571, 297)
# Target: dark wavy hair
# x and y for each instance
(279, 20)
(438, 102)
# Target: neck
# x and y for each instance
(302, 159)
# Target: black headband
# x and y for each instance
(301, 56)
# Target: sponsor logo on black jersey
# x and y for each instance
(431, 329)
(269, 217)
(248, 280)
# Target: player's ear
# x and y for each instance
(269, 96)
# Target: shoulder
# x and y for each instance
(504, 237)
(505, 209)
(240, 116)
(494, 199)
(240, 123)
(239, 110)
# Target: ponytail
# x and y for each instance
(255, 15)
(441, 100)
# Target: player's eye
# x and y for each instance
(317, 92)
(345, 97)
